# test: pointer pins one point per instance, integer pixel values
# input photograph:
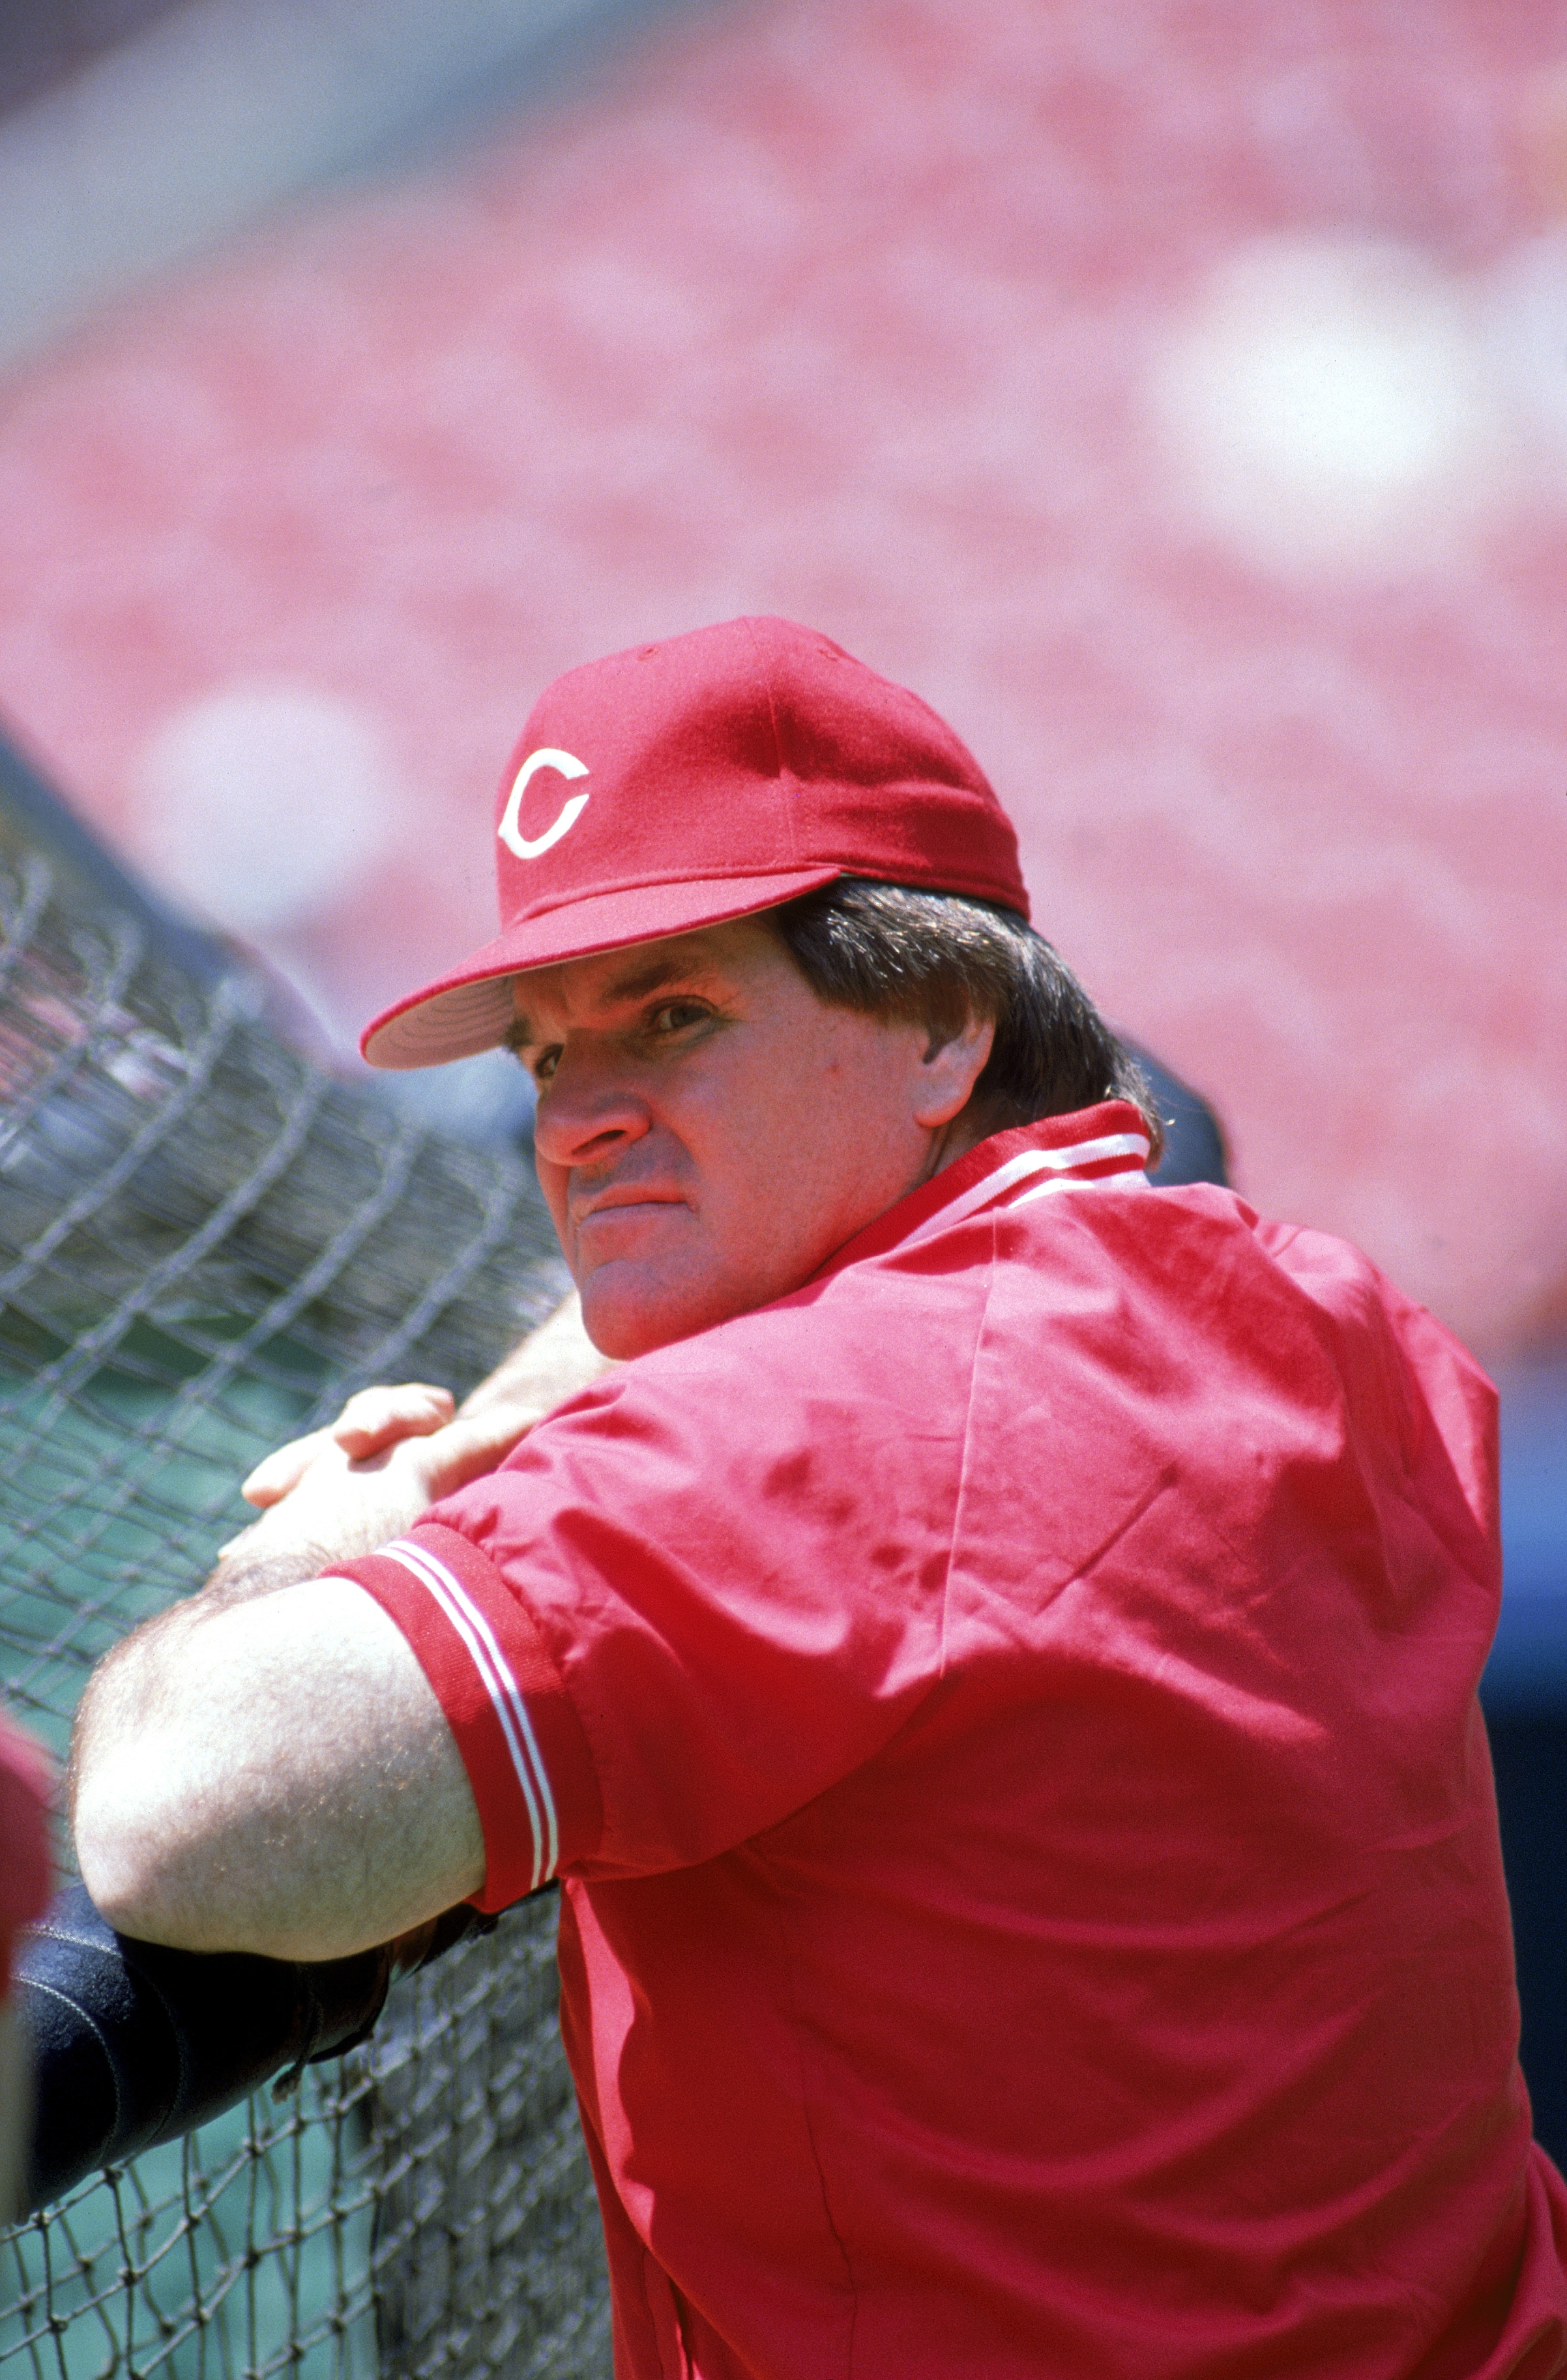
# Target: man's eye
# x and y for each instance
(543, 1066)
(676, 1014)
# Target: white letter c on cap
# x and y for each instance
(511, 835)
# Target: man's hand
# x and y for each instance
(372, 1421)
(359, 1474)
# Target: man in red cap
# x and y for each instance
(993, 1664)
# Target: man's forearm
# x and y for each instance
(273, 1774)
(265, 1767)
(129, 1690)
(124, 1697)
(551, 1364)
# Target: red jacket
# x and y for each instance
(1006, 1715)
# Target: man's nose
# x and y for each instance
(585, 1114)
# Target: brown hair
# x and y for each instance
(936, 959)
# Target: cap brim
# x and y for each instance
(469, 1010)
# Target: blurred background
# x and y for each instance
(1174, 392)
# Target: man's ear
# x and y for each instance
(949, 1071)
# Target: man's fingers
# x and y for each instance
(342, 1463)
(378, 1417)
(369, 1423)
(278, 1474)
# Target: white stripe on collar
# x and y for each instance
(1059, 1165)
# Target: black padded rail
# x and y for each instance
(133, 2044)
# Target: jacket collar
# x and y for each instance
(1103, 1143)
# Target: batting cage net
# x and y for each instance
(205, 1241)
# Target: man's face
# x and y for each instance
(709, 1132)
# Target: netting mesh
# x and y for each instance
(205, 1241)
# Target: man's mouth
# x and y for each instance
(621, 1202)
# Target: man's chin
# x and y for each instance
(625, 1316)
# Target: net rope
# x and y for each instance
(206, 1242)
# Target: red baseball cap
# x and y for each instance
(704, 778)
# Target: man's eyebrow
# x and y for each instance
(636, 983)
(652, 976)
